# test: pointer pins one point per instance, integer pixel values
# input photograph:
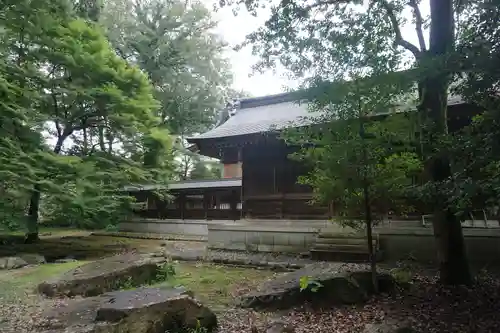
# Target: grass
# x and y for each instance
(45, 232)
(78, 244)
(216, 285)
(18, 283)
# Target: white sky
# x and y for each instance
(234, 29)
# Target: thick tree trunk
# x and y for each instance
(32, 219)
(34, 208)
(452, 256)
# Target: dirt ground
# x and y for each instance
(426, 305)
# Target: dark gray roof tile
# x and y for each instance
(274, 112)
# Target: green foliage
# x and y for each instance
(111, 228)
(361, 139)
(475, 149)
(73, 118)
(174, 43)
(167, 272)
(307, 283)
(206, 170)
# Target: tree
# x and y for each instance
(173, 42)
(475, 149)
(93, 104)
(203, 169)
(361, 153)
(23, 25)
(328, 39)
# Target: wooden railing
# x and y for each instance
(469, 220)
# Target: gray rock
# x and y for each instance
(33, 258)
(279, 327)
(65, 260)
(339, 283)
(143, 310)
(388, 327)
(12, 262)
(101, 276)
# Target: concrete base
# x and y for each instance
(397, 240)
(483, 245)
(169, 226)
(287, 236)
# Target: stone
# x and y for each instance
(304, 255)
(143, 310)
(12, 262)
(388, 327)
(33, 258)
(64, 260)
(101, 276)
(340, 284)
(279, 327)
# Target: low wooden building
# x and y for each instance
(259, 206)
(249, 140)
(218, 199)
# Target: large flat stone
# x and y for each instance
(12, 262)
(341, 284)
(101, 276)
(143, 310)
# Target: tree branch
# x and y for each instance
(56, 111)
(418, 24)
(320, 3)
(399, 40)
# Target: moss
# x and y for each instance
(216, 285)
(20, 282)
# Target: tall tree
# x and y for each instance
(329, 38)
(174, 43)
(361, 153)
(91, 106)
(475, 150)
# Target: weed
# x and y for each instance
(111, 228)
(306, 282)
(166, 272)
(128, 283)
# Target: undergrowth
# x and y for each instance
(166, 272)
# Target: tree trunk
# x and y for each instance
(32, 218)
(452, 256)
(34, 208)
(368, 209)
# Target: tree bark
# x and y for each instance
(454, 268)
(34, 207)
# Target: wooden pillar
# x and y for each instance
(234, 204)
(206, 198)
(282, 188)
(182, 205)
(242, 193)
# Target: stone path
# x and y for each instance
(276, 261)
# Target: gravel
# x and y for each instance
(428, 306)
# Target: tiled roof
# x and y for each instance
(260, 115)
(188, 184)
(263, 114)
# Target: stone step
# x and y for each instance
(336, 234)
(346, 241)
(401, 223)
(343, 247)
(342, 256)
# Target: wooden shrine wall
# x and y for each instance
(198, 204)
(270, 187)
